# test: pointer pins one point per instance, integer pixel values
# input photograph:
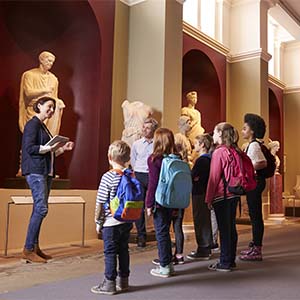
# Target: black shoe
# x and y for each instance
(198, 256)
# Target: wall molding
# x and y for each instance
(276, 82)
(132, 2)
(259, 53)
(292, 90)
(205, 39)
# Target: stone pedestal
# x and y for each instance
(276, 206)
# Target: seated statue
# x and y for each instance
(194, 115)
(135, 113)
(182, 142)
(274, 147)
(36, 83)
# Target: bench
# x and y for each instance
(27, 200)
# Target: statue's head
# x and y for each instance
(274, 146)
(46, 60)
(184, 124)
(192, 97)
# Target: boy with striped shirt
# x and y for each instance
(115, 234)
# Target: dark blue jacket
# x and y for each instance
(34, 136)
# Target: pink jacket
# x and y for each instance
(219, 166)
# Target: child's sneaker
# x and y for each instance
(108, 287)
(249, 250)
(178, 260)
(198, 256)
(254, 255)
(164, 272)
(122, 284)
(155, 261)
(216, 266)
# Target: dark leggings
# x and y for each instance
(177, 226)
(254, 201)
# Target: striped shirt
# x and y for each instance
(106, 192)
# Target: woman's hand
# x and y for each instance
(68, 146)
(209, 205)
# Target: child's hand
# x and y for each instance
(149, 212)
(98, 228)
(209, 205)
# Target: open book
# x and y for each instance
(56, 139)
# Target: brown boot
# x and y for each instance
(40, 253)
(31, 257)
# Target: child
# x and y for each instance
(223, 202)
(163, 144)
(115, 234)
(255, 127)
(201, 213)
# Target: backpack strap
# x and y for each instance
(118, 171)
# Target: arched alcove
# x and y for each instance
(199, 74)
(71, 30)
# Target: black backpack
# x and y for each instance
(269, 170)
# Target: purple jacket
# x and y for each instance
(154, 166)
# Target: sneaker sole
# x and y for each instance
(198, 258)
(94, 291)
(160, 275)
(250, 259)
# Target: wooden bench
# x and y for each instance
(27, 200)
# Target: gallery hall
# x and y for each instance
(82, 80)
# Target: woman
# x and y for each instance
(255, 128)
(223, 202)
(163, 144)
(38, 168)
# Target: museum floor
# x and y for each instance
(74, 270)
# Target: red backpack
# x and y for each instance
(239, 178)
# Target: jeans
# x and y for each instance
(254, 201)
(214, 227)
(202, 224)
(40, 186)
(115, 240)
(140, 224)
(162, 221)
(177, 219)
(226, 214)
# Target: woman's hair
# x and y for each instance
(205, 139)
(119, 152)
(256, 124)
(163, 142)
(229, 136)
(42, 101)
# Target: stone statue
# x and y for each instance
(135, 113)
(182, 142)
(274, 147)
(194, 115)
(36, 83)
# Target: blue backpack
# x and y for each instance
(128, 203)
(175, 183)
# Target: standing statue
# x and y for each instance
(182, 142)
(274, 147)
(135, 113)
(194, 115)
(36, 83)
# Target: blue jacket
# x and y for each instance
(33, 162)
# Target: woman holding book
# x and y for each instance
(37, 165)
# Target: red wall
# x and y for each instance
(204, 70)
(80, 34)
(276, 118)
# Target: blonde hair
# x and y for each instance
(119, 152)
(205, 139)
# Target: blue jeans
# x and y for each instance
(254, 201)
(40, 186)
(162, 221)
(226, 213)
(115, 240)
